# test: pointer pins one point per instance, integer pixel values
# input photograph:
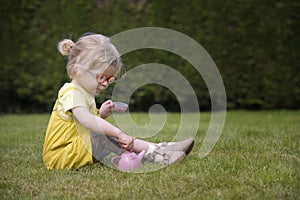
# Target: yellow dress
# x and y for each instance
(67, 143)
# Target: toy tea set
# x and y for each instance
(128, 161)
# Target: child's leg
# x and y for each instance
(103, 145)
(155, 153)
(162, 153)
(185, 146)
(140, 145)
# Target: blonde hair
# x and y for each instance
(88, 52)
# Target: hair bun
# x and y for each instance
(64, 46)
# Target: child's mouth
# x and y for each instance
(100, 88)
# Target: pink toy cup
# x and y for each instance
(128, 161)
(120, 107)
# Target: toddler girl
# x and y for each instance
(77, 133)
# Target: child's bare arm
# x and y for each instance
(99, 125)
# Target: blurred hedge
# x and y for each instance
(255, 45)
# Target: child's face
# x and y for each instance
(97, 80)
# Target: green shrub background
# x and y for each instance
(255, 44)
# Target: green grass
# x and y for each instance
(257, 157)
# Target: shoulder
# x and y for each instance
(72, 95)
(71, 89)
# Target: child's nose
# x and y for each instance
(105, 83)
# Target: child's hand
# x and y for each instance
(106, 109)
(126, 141)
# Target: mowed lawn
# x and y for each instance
(256, 157)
